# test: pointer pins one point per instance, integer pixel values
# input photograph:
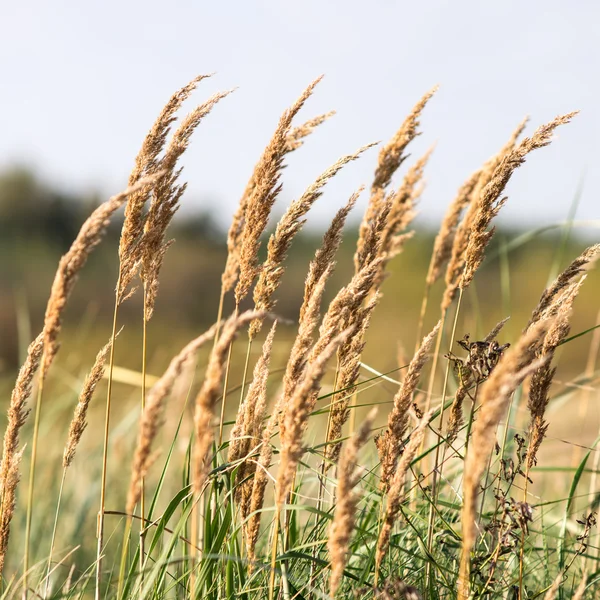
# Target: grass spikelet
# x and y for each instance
(73, 261)
(390, 441)
(209, 394)
(79, 420)
(512, 368)
(279, 243)
(295, 138)
(349, 361)
(146, 163)
(391, 156)
(580, 591)
(456, 260)
(342, 525)
(442, 246)
(17, 412)
(554, 588)
(541, 380)
(8, 502)
(395, 492)
(150, 420)
(299, 408)
(547, 304)
(490, 201)
(245, 435)
(165, 202)
(265, 189)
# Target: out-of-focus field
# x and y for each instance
(38, 225)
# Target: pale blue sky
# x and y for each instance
(82, 81)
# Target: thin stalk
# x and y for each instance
(424, 303)
(434, 487)
(142, 481)
(100, 529)
(124, 550)
(246, 363)
(274, 552)
(36, 431)
(219, 317)
(225, 384)
(54, 528)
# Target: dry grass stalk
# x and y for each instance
(456, 259)
(79, 420)
(493, 334)
(165, 201)
(298, 411)
(349, 361)
(391, 156)
(541, 380)
(396, 487)
(295, 138)
(490, 201)
(442, 246)
(259, 482)
(554, 588)
(209, 394)
(8, 502)
(342, 525)
(151, 417)
(288, 227)
(265, 189)
(547, 304)
(495, 394)
(17, 412)
(319, 271)
(147, 163)
(389, 443)
(580, 591)
(72, 262)
(245, 435)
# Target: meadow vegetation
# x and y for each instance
(290, 449)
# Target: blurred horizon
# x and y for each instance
(76, 114)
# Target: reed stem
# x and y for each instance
(54, 529)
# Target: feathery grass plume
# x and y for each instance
(442, 246)
(391, 156)
(456, 259)
(209, 394)
(165, 201)
(295, 138)
(342, 524)
(150, 420)
(245, 435)
(490, 201)
(389, 443)
(265, 189)
(547, 304)
(512, 368)
(401, 213)
(147, 163)
(541, 380)
(319, 271)
(73, 261)
(493, 334)
(349, 361)
(299, 409)
(456, 419)
(288, 227)
(395, 492)
(8, 502)
(17, 413)
(259, 482)
(79, 420)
